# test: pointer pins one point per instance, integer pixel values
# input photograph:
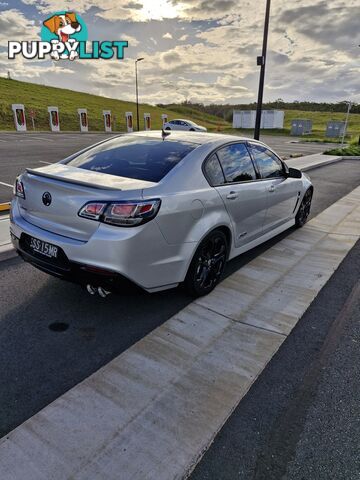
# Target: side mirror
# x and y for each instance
(294, 173)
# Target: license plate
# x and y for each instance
(44, 248)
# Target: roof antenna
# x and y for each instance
(164, 134)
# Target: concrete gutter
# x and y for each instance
(348, 157)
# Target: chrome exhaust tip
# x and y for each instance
(97, 290)
(102, 292)
(90, 289)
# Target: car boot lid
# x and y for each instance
(94, 179)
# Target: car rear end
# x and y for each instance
(79, 223)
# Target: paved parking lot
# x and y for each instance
(40, 364)
(18, 151)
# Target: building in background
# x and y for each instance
(269, 119)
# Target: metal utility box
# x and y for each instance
(301, 127)
(334, 129)
(247, 118)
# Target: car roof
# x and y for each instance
(201, 138)
(181, 120)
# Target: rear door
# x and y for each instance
(282, 192)
(177, 125)
(231, 171)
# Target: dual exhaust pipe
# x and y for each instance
(97, 290)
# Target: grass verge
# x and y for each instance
(350, 151)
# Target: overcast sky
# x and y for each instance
(199, 50)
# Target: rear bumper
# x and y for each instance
(139, 254)
(73, 271)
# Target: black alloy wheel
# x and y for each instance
(304, 209)
(208, 264)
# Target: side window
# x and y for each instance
(268, 164)
(236, 163)
(213, 171)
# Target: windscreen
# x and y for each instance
(141, 158)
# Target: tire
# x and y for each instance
(192, 130)
(167, 128)
(207, 265)
(304, 209)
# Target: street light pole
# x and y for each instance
(137, 92)
(346, 123)
(261, 61)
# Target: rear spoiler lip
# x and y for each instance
(70, 180)
(84, 183)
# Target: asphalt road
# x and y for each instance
(18, 151)
(39, 364)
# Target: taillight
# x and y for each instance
(93, 210)
(121, 214)
(19, 190)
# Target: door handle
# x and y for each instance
(271, 188)
(232, 195)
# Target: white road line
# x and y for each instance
(43, 138)
(6, 184)
(152, 411)
(47, 163)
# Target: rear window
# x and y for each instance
(134, 157)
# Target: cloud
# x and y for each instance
(132, 40)
(171, 58)
(15, 26)
(312, 52)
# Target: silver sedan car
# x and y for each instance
(159, 209)
(186, 125)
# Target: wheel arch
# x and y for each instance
(223, 228)
(227, 232)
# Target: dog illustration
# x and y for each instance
(63, 26)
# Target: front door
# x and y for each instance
(282, 192)
(244, 197)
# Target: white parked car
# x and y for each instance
(158, 210)
(180, 124)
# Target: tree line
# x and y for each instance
(225, 111)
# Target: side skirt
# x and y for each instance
(264, 238)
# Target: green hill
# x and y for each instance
(319, 119)
(210, 121)
(39, 97)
